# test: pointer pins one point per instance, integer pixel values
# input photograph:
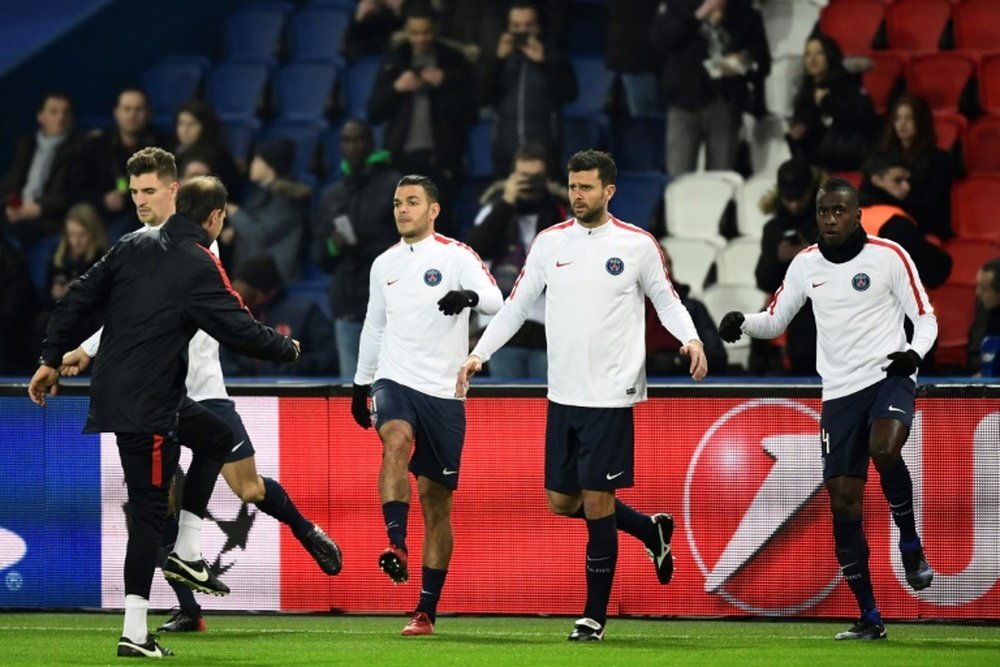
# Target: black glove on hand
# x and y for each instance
(904, 364)
(454, 301)
(359, 405)
(729, 327)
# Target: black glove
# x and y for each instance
(359, 405)
(729, 327)
(454, 301)
(904, 364)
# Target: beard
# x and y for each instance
(589, 215)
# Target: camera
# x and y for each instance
(520, 38)
(536, 184)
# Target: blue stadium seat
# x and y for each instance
(315, 34)
(235, 90)
(594, 81)
(637, 196)
(253, 34)
(304, 135)
(480, 154)
(331, 153)
(239, 136)
(358, 80)
(583, 133)
(316, 290)
(169, 85)
(302, 92)
(588, 28)
(38, 254)
(640, 143)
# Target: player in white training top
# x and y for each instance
(415, 336)
(861, 289)
(595, 272)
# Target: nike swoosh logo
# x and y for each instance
(559, 265)
(197, 575)
(449, 472)
(898, 505)
(238, 445)
(844, 567)
(392, 282)
(893, 408)
(594, 560)
(616, 475)
(819, 284)
(663, 556)
(155, 653)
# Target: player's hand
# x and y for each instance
(699, 362)
(359, 405)
(729, 327)
(904, 364)
(456, 300)
(74, 362)
(45, 381)
(471, 366)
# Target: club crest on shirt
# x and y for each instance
(861, 282)
(614, 266)
(432, 277)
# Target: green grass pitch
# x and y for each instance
(90, 639)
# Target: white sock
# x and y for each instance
(135, 618)
(188, 545)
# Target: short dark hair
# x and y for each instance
(881, 162)
(587, 160)
(531, 151)
(993, 266)
(197, 198)
(431, 190)
(132, 89)
(153, 160)
(55, 95)
(420, 10)
(837, 184)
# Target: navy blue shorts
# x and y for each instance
(225, 409)
(588, 448)
(847, 420)
(438, 428)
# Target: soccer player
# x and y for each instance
(595, 271)
(415, 336)
(156, 290)
(861, 288)
(153, 184)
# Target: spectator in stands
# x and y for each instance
(259, 283)
(884, 186)
(633, 58)
(18, 304)
(104, 182)
(663, 355)
(199, 137)
(423, 93)
(354, 225)
(514, 211)
(193, 168)
(37, 190)
(909, 132)
(790, 230)
(527, 81)
(273, 217)
(716, 58)
(833, 118)
(83, 242)
(374, 23)
(987, 322)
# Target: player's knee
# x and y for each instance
(883, 455)
(562, 507)
(845, 507)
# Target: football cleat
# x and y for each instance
(587, 630)
(150, 649)
(393, 563)
(195, 574)
(662, 558)
(420, 624)
(185, 620)
(919, 573)
(324, 551)
(869, 626)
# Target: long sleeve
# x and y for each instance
(84, 297)
(784, 305)
(371, 331)
(906, 286)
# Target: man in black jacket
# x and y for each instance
(156, 290)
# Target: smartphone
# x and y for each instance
(520, 38)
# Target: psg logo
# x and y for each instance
(432, 277)
(614, 266)
(861, 282)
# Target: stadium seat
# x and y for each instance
(939, 78)
(588, 29)
(977, 27)
(967, 256)
(852, 177)
(779, 91)
(882, 79)
(692, 259)
(239, 136)
(989, 83)
(595, 81)
(915, 26)
(331, 152)
(303, 91)
(788, 24)
(750, 219)
(583, 132)
(722, 298)
(305, 136)
(639, 143)
(974, 207)
(169, 85)
(315, 34)
(479, 157)
(39, 256)
(696, 202)
(982, 146)
(949, 128)
(955, 308)
(853, 24)
(359, 77)
(768, 146)
(637, 196)
(316, 290)
(236, 90)
(737, 262)
(253, 34)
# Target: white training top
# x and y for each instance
(406, 338)
(859, 307)
(204, 375)
(595, 281)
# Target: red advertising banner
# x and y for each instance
(741, 476)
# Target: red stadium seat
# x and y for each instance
(955, 307)
(967, 256)
(853, 24)
(915, 26)
(974, 207)
(949, 129)
(939, 78)
(982, 146)
(977, 27)
(881, 79)
(852, 177)
(989, 83)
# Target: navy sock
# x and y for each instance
(636, 524)
(602, 557)
(852, 554)
(898, 489)
(277, 504)
(170, 529)
(431, 583)
(185, 597)
(395, 513)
